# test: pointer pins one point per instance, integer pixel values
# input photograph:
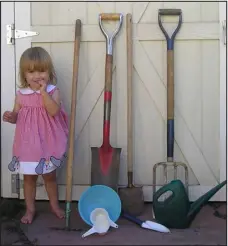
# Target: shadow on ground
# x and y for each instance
(206, 229)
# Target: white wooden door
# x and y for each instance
(223, 95)
(196, 78)
(7, 97)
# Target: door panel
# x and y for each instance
(223, 95)
(196, 86)
(7, 101)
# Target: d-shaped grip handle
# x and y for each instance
(110, 16)
(169, 12)
(173, 12)
(109, 39)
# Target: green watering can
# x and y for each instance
(176, 211)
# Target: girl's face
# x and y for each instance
(34, 78)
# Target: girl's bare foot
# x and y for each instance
(28, 217)
(58, 212)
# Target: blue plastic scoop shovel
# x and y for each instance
(146, 224)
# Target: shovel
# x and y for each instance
(131, 197)
(106, 159)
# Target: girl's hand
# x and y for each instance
(10, 117)
(43, 86)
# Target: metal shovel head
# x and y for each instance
(132, 200)
(105, 167)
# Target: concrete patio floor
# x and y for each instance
(206, 229)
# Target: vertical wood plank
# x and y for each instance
(7, 97)
(210, 104)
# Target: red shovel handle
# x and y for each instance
(107, 100)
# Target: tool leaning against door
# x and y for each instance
(131, 197)
(99, 202)
(106, 159)
(70, 159)
(170, 100)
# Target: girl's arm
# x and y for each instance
(51, 103)
(11, 116)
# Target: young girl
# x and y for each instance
(41, 133)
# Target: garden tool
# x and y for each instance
(70, 158)
(106, 159)
(145, 224)
(177, 211)
(170, 101)
(100, 207)
(131, 197)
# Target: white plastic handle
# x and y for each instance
(89, 232)
(155, 226)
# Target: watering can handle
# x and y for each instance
(161, 191)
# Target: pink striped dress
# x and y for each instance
(40, 140)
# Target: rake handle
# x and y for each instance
(170, 76)
(170, 104)
(170, 84)
(70, 159)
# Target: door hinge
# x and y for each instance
(12, 34)
(224, 31)
(17, 184)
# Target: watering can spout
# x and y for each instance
(201, 201)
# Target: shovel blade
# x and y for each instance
(132, 200)
(110, 175)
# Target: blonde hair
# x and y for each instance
(36, 59)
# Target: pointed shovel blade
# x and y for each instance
(105, 167)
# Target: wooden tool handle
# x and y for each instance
(110, 16)
(129, 98)
(108, 73)
(73, 111)
(170, 85)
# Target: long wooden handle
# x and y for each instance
(129, 100)
(73, 110)
(170, 105)
(170, 84)
(108, 73)
(110, 16)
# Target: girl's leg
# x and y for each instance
(52, 191)
(30, 195)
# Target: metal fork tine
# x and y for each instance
(165, 173)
